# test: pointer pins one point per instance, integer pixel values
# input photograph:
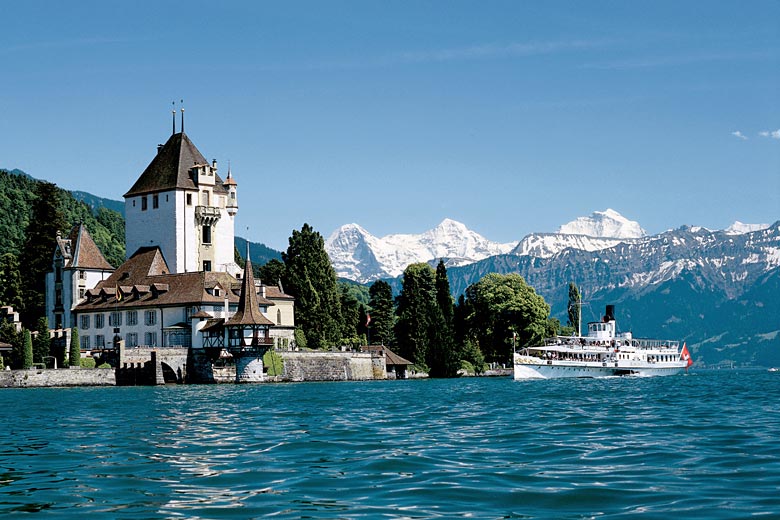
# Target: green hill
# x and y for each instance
(17, 194)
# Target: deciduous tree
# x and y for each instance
(501, 306)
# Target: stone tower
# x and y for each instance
(180, 204)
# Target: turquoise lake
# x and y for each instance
(703, 445)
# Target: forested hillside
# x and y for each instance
(17, 196)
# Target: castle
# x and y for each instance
(180, 285)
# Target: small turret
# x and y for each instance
(232, 202)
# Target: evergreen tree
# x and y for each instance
(312, 280)
(74, 354)
(10, 282)
(27, 360)
(442, 358)
(417, 313)
(9, 335)
(42, 342)
(573, 308)
(272, 272)
(350, 316)
(381, 312)
(47, 219)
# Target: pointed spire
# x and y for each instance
(182, 115)
(173, 116)
(248, 312)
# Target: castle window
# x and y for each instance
(84, 343)
(82, 292)
(58, 273)
(278, 316)
(84, 322)
(100, 321)
(206, 234)
(131, 339)
(100, 341)
(58, 296)
(189, 199)
(82, 274)
(150, 317)
(143, 203)
(207, 265)
(155, 201)
(204, 198)
(115, 319)
(132, 318)
(150, 339)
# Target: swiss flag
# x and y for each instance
(686, 356)
(368, 320)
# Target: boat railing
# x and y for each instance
(584, 342)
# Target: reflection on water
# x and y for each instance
(480, 448)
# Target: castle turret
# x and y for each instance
(232, 200)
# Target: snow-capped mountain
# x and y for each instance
(740, 228)
(601, 230)
(604, 224)
(358, 255)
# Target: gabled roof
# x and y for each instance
(170, 169)
(80, 251)
(86, 254)
(248, 312)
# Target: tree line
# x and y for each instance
(423, 323)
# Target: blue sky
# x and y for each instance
(511, 117)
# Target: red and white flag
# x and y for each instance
(686, 356)
(368, 319)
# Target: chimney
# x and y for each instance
(262, 290)
(159, 147)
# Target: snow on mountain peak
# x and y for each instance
(740, 228)
(603, 224)
(358, 255)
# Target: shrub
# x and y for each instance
(88, 362)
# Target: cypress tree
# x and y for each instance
(381, 312)
(27, 360)
(74, 354)
(312, 280)
(42, 343)
(574, 307)
(442, 358)
(417, 314)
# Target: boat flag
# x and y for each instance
(118, 294)
(686, 356)
(368, 319)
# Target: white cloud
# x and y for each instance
(739, 135)
(774, 134)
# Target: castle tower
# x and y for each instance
(180, 204)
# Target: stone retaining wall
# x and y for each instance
(328, 366)
(62, 377)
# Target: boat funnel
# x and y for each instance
(609, 315)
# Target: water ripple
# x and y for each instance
(701, 446)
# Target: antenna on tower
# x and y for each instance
(182, 115)
(173, 116)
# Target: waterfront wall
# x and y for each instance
(63, 377)
(298, 366)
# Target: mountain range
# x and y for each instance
(715, 289)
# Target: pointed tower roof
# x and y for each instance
(84, 252)
(170, 169)
(248, 312)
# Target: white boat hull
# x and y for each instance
(550, 369)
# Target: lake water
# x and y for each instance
(705, 445)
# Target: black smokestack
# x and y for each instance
(609, 315)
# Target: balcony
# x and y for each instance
(207, 215)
